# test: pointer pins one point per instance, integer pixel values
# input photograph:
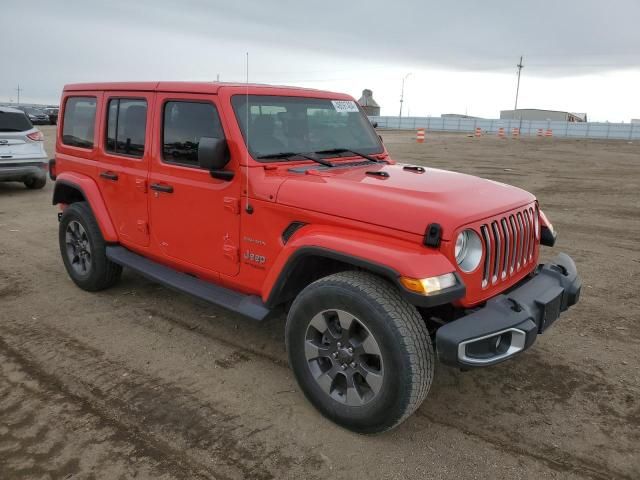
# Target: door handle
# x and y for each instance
(109, 176)
(159, 187)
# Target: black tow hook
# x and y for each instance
(561, 269)
(515, 306)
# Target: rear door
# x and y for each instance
(194, 218)
(123, 163)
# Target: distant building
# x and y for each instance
(635, 120)
(368, 104)
(459, 115)
(537, 114)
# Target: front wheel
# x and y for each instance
(361, 354)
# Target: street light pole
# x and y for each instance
(402, 94)
(515, 108)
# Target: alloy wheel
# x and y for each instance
(78, 248)
(344, 357)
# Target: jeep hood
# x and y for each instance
(404, 200)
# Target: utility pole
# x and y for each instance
(520, 66)
(402, 94)
(18, 90)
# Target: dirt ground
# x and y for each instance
(139, 381)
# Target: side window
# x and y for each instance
(126, 126)
(79, 120)
(184, 124)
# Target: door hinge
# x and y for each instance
(231, 253)
(232, 204)
(141, 184)
(143, 226)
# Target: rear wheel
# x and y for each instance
(84, 250)
(36, 183)
(361, 354)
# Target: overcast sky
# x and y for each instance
(579, 55)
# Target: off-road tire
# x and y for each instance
(102, 273)
(398, 328)
(35, 183)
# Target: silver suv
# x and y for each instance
(22, 154)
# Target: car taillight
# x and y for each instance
(36, 136)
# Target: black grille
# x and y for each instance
(509, 244)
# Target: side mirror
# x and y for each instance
(213, 155)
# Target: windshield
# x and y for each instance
(303, 125)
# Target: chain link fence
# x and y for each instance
(614, 131)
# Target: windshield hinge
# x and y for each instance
(232, 205)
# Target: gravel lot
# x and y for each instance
(139, 381)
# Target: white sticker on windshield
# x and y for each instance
(345, 106)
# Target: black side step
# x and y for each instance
(248, 305)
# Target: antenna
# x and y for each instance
(248, 208)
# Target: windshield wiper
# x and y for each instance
(348, 150)
(295, 154)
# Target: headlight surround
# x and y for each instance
(468, 250)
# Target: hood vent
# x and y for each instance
(414, 168)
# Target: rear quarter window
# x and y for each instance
(14, 122)
(79, 122)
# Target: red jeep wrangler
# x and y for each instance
(259, 198)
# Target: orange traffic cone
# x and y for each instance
(420, 135)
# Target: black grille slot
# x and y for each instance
(497, 251)
(520, 240)
(487, 256)
(507, 248)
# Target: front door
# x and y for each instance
(123, 163)
(195, 218)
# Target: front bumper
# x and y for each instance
(510, 322)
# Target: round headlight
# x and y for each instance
(468, 250)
